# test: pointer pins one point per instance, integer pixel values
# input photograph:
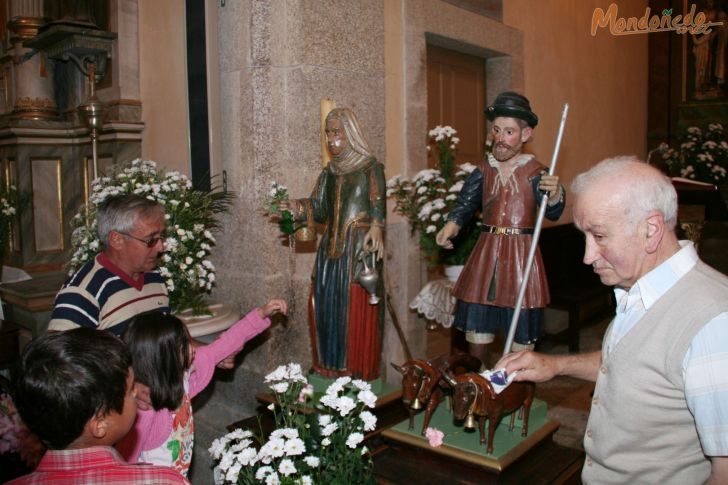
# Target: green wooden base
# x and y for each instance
(464, 445)
(385, 392)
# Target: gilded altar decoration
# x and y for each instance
(35, 108)
(34, 103)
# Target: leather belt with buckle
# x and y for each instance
(507, 231)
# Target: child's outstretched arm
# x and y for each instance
(231, 342)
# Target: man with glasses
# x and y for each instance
(122, 281)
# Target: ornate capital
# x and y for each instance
(35, 108)
(24, 28)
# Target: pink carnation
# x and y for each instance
(306, 392)
(434, 436)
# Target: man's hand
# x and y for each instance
(536, 367)
(531, 366)
(446, 233)
(142, 396)
(550, 184)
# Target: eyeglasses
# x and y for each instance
(150, 243)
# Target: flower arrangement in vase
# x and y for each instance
(304, 448)
(426, 200)
(191, 216)
(9, 202)
(12, 202)
(701, 156)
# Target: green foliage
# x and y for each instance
(427, 199)
(278, 195)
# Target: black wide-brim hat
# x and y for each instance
(512, 105)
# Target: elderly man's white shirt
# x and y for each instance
(706, 361)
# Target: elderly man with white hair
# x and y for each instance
(659, 412)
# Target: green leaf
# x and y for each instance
(286, 223)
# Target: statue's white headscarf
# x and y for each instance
(357, 154)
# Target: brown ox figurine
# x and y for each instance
(422, 382)
(473, 395)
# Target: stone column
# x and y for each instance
(277, 61)
(121, 92)
(32, 92)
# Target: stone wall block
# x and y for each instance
(234, 35)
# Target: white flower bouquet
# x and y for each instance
(426, 200)
(10, 202)
(702, 155)
(191, 219)
(279, 194)
(305, 448)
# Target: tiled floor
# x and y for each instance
(568, 398)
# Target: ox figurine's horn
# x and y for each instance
(398, 368)
(416, 404)
(448, 377)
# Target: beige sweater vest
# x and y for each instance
(640, 429)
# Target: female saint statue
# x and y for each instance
(349, 199)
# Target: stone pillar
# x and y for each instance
(277, 61)
(33, 95)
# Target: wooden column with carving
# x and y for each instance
(32, 75)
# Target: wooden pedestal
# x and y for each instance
(547, 463)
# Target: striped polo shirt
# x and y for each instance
(100, 295)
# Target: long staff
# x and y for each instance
(536, 234)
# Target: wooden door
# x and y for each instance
(456, 97)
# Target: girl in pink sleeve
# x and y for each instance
(175, 371)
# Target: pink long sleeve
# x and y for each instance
(232, 340)
(152, 428)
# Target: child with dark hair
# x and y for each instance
(165, 360)
(74, 390)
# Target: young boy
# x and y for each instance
(74, 389)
